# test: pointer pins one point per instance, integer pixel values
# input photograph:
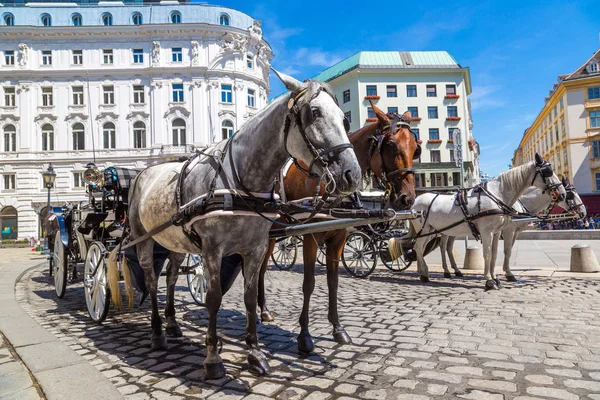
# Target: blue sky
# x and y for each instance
(515, 50)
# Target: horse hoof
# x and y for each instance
(266, 316)
(341, 336)
(511, 278)
(498, 282)
(424, 279)
(458, 273)
(174, 331)
(159, 343)
(305, 344)
(447, 275)
(258, 365)
(491, 284)
(214, 371)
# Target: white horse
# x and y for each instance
(533, 202)
(489, 209)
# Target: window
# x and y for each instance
(592, 67)
(435, 156)
(108, 94)
(177, 54)
(78, 95)
(451, 133)
(10, 97)
(107, 19)
(456, 179)
(439, 179)
(562, 127)
(348, 115)
(556, 132)
(224, 20)
(416, 132)
(179, 132)
(47, 137)
(107, 56)
(47, 57)
(10, 181)
(136, 18)
(370, 113)
(138, 56)
(346, 96)
(178, 93)
(78, 137)
(9, 57)
(594, 93)
(391, 91)
(10, 138)
(414, 112)
(76, 20)
(452, 159)
(450, 90)
(46, 20)
(434, 134)
(251, 98)
(175, 17)
(78, 181)
(371, 90)
(139, 135)
(411, 90)
(452, 111)
(226, 129)
(595, 119)
(77, 57)
(108, 134)
(431, 91)
(420, 180)
(392, 110)
(9, 20)
(47, 100)
(432, 112)
(226, 94)
(249, 61)
(138, 94)
(562, 105)
(596, 148)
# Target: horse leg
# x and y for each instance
(173, 328)
(211, 257)
(450, 249)
(510, 235)
(335, 247)
(420, 250)
(495, 240)
(310, 248)
(265, 314)
(145, 253)
(443, 250)
(486, 242)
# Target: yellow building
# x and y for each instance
(566, 132)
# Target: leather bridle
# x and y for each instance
(545, 171)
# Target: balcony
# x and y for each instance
(170, 149)
(451, 96)
(371, 120)
(434, 141)
(373, 97)
(415, 119)
(453, 119)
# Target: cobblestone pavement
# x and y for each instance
(15, 380)
(539, 338)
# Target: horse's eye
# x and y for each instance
(316, 113)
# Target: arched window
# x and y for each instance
(9, 19)
(224, 20)
(107, 19)
(175, 17)
(108, 134)
(46, 20)
(226, 129)
(9, 222)
(10, 138)
(179, 132)
(47, 137)
(76, 19)
(78, 136)
(137, 18)
(139, 135)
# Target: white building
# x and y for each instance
(123, 85)
(433, 86)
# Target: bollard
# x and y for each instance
(583, 259)
(474, 257)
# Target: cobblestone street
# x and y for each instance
(447, 339)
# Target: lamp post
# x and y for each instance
(49, 176)
(458, 158)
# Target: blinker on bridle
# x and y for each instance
(545, 171)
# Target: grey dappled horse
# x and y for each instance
(258, 151)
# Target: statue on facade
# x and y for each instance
(255, 33)
(23, 55)
(155, 53)
(195, 52)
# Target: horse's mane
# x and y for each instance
(514, 177)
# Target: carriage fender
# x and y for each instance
(62, 226)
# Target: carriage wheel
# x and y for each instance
(196, 279)
(359, 256)
(59, 266)
(285, 253)
(95, 282)
(322, 254)
(397, 265)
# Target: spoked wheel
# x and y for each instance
(322, 254)
(196, 279)
(285, 253)
(95, 282)
(397, 265)
(359, 256)
(59, 267)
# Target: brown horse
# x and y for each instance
(388, 152)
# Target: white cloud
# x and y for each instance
(486, 97)
(316, 57)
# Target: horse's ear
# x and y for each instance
(538, 159)
(381, 116)
(292, 84)
(407, 116)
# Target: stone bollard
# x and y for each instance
(474, 257)
(583, 259)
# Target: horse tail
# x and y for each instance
(113, 278)
(128, 283)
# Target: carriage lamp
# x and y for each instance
(49, 176)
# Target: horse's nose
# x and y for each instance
(348, 179)
(406, 201)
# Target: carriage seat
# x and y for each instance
(123, 178)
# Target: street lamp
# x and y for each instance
(49, 176)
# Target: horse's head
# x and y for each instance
(573, 202)
(316, 133)
(391, 157)
(544, 178)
